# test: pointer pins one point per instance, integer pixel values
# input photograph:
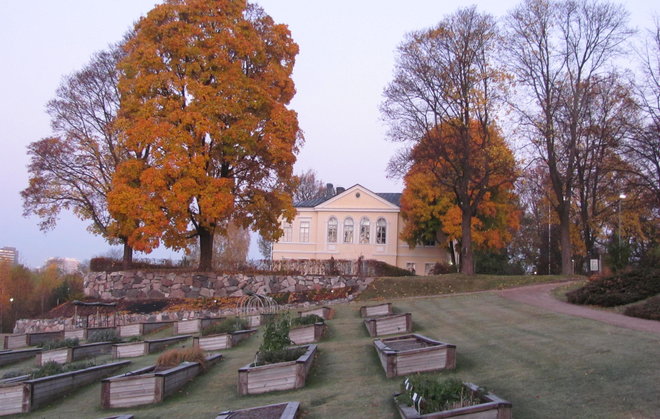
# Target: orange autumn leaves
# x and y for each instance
(442, 163)
(204, 97)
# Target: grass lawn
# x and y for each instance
(548, 365)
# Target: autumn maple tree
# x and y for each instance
(204, 92)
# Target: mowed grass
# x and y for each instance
(548, 365)
(411, 286)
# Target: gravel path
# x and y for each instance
(539, 296)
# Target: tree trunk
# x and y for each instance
(127, 259)
(205, 250)
(467, 260)
(565, 241)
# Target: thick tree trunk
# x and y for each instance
(467, 259)
(205, 250)
(565, 241)
(127, 259)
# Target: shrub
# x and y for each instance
(274, 347)
(649, 309)
(106, 335)
(175, 357)
(47, 369)
(438, 395)
(225, 326)
(384, 269)
(621, 288)
(306, 320)
(55, 344)
(442, 269)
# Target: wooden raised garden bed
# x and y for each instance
(221, 340)
(29, 395)
(75, 353)
(144, 328)
(389, 325)
(31, 339)
(146, 386)
(307, 334)
(326, 313)
(9, 357)
(257, 320)
(288, 410)
(492, 408)
(274, 377)
(132, 350)
(376, 310)
(82, 334)
(414, 353)
(194, 325)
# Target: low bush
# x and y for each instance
(437, 395)
(225, 326)
(106, 335)
(275, 345)
(53, 368)
(385, 269)
(306, 320)
(56, 344)
(619, 289)
(649, 309)
(174, 357)
(442, 269)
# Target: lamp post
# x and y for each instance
(621, 197)
(11, 307)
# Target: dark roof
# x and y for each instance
(391, 197)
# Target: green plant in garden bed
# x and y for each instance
(275, 346)
(306, 320)
(64, 343)
(438, 395)
(50, 368)
(226, 326)
(619, 289)
(107, 335)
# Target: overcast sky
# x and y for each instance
(346, 59)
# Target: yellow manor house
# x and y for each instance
(352, 223)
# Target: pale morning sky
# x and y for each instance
(346, 59)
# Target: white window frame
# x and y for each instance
(382, 227)
(365, 231)
(303, 231)
(347, 230)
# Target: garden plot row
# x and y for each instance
(413, 353)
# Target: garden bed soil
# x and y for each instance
(275, 377)
(414, 353)
(29, 395)
(383, 309)
(492, 408)
(288, 410)
(222, 340)
(389, 325)
(147, 386)
(307, 334)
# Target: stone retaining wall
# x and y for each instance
(149, 284)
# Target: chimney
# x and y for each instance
(329, 190)
(340, 189)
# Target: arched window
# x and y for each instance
(365, 229)
(381, 231)
(348, 230)
(332, 230)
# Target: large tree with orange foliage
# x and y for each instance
(442, 194)
(204, 97)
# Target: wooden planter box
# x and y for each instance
(288, 410)
(76, 353)
(29, 395)
(83, 334)
(146, 386)
(194, 325)
(222, 340)
(326, 313)
(492, 408)
(31, 339)
(384, 309)
(257, 320)
(307, 334)
(389, 325)
(132, 350)
(414, 353)
(274, 377)
(9, 357)
(144, 328)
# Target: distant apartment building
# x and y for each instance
(9, 254)
(65, 265)
(353, 223)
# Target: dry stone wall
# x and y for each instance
(149, 284)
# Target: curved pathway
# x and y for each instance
(539, 296)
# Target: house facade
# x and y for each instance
(354, 223)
